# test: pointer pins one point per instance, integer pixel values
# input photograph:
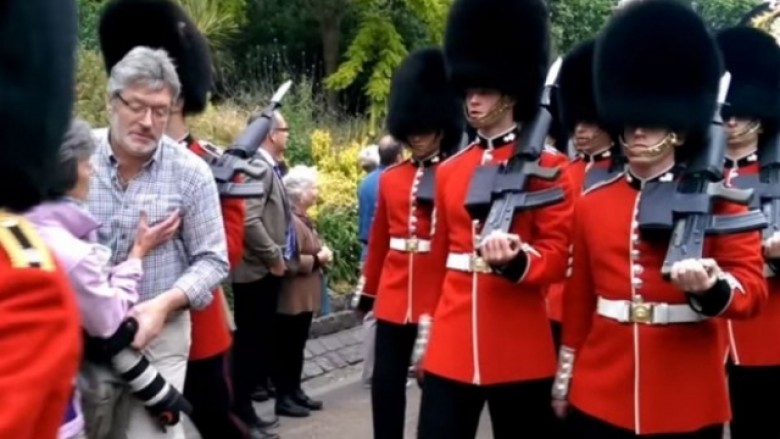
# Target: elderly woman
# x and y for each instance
(300, 296)
(104, 294)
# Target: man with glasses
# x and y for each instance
(137, 171)
(269, 247)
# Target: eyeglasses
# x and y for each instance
(138, 109)
(284, 129)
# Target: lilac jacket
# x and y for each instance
(105, 294)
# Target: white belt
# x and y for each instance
(412, 245)
(649, 313)
(467, 262)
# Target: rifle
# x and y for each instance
(236, 159)
(693, 198)
(503, 187)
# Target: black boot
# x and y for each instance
(302, 399)
(286, 406)
(261, 394)
(259, 433)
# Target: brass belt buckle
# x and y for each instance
(641, 313)
(412, 245)
(478, 265)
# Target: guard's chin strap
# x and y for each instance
(747, 134)
(671, 140)
(503, 105)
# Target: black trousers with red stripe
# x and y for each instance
(393, 353)
(752, 391)
(207, 388)
(582, 426)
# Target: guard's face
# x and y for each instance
(589, 138)
(741, 131)
(480, 101)
(424, 145)
(139, 116)
(647, 146)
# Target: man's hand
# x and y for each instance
(772, 246)
(279, 268)
(152, 314)
(695, 276)
(500, 248)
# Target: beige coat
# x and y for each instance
(302, 287)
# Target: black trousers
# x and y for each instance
(582, 426)
(392, 357)
(207, 388)
(291, 335)
(255, 310)
(451, 410)
(751, 390)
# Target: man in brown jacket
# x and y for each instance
(269, 246)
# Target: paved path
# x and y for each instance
(347, 413)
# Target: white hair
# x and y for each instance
(145, 66)
(369, 156)
(298, 180)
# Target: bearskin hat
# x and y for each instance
(499, 44)
(657, 65)
(753, 59)
(37, 73)
(165, 26)
(575, 87)
(422, 101)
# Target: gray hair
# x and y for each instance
(77, 146)
(149, 67)
(298, 180)
(368, 158)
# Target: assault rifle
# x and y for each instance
(502, 188)
(236, 159)
(693, 197)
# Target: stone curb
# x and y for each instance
(335, 342)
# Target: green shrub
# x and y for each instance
(338, 228)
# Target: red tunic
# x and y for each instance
(40, 343)
(648, 378)
(402, 281)
(577, 169)
(210, 332)
(755, 342)
(487, 329)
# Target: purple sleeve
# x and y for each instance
(105, 294)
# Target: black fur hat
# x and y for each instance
(657, 65)
(499, 44)
(421, 100)
(753, 59)
(164, 25)
(37, 75)
(575, 87)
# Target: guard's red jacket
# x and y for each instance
(646, 373)
(210, 332)
(399, 270)
(40, 336)
(755, 342)
(577, 169)
(488, 329)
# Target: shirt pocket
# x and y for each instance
(160, 206)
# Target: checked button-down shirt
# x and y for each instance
(195, 260)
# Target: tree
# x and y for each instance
(574, 21)
(218, 20)
(721, 14)
(379, 44)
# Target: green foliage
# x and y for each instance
(574, 21)
(89, 13)
(379, 45)
(219, 20)
(338, 228)
(721, 14)
(91, 88)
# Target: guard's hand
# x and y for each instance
(499, 248)
(772, 246)
(560, 407)
(695, 276)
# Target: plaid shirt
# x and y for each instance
(195, 260)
